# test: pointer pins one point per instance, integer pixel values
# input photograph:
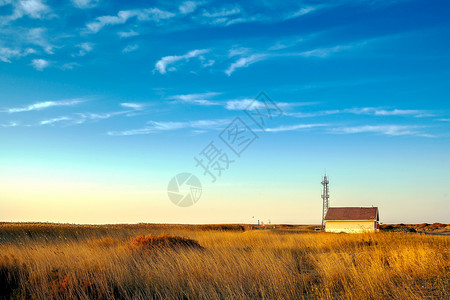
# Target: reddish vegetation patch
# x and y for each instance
(163, 241)
(424, 227)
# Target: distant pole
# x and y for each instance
(325, 199)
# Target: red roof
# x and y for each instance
(351, 213)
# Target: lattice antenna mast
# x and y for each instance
(325, 198)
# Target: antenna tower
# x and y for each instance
(325, 198)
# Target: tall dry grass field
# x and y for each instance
(49, 261)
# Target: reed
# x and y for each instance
(51, 261)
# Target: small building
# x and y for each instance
(352, 219)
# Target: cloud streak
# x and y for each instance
(294, 127)
(392, 130)
(40, 64)
(156, 127)
(197, 99)
(162, 64)
(148, 14)
(6, 54)
(44, 105)
(244, 62)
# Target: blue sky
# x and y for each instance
(102, 102)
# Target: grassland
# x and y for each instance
(51, 261)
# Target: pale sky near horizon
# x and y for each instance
(103, 102)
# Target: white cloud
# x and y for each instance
(444, 120)
(223, 12)
(162, 64)
(136, 106)
(240, 51)
(372, 111)
(40, 64)
(324, 52)
(85, 48)
(69, 66)
(384, 112)
(155, 127)
(149, 14)
(242, 104)
(198, 99)
(188, 7)
(98, 116)
(130, 48)
(393, 130)
(244, 62)
(85, 3)
(43, 105)
(248, 103)
(10, 124)
(6, 54)
(126, 34)
(293, 127)
(314, 114)
(303, 11)
(32, 8)
(54, 120)
(37, 36)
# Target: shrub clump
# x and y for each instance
(164, 241)
(223, 227)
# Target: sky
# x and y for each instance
(102, 103)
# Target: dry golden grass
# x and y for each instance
(50, 261)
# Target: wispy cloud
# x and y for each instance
(38, 36)
(84, 48)
(155, 127)
(198, 99)
(44, 105)
(6, 54)
(54, 120)
(126, 34)
(244, 62)
(98, 116)
(188, 7)
(85, 3)
(393, 130)
(324, 52)
(10, 124)
(162, 64)
(293, 127)
(81, 118)
(372, 111)
(40, 64)
(302, 11)
(35, 9)
(222, 12)
(149, 14)
(242, 104)
(384, 112)
(69, 66)
(313, 114)
(130, 48)
(135, 106)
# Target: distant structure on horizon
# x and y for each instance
(325, 198)
(347, 219)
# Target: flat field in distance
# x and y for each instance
(148, 261)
